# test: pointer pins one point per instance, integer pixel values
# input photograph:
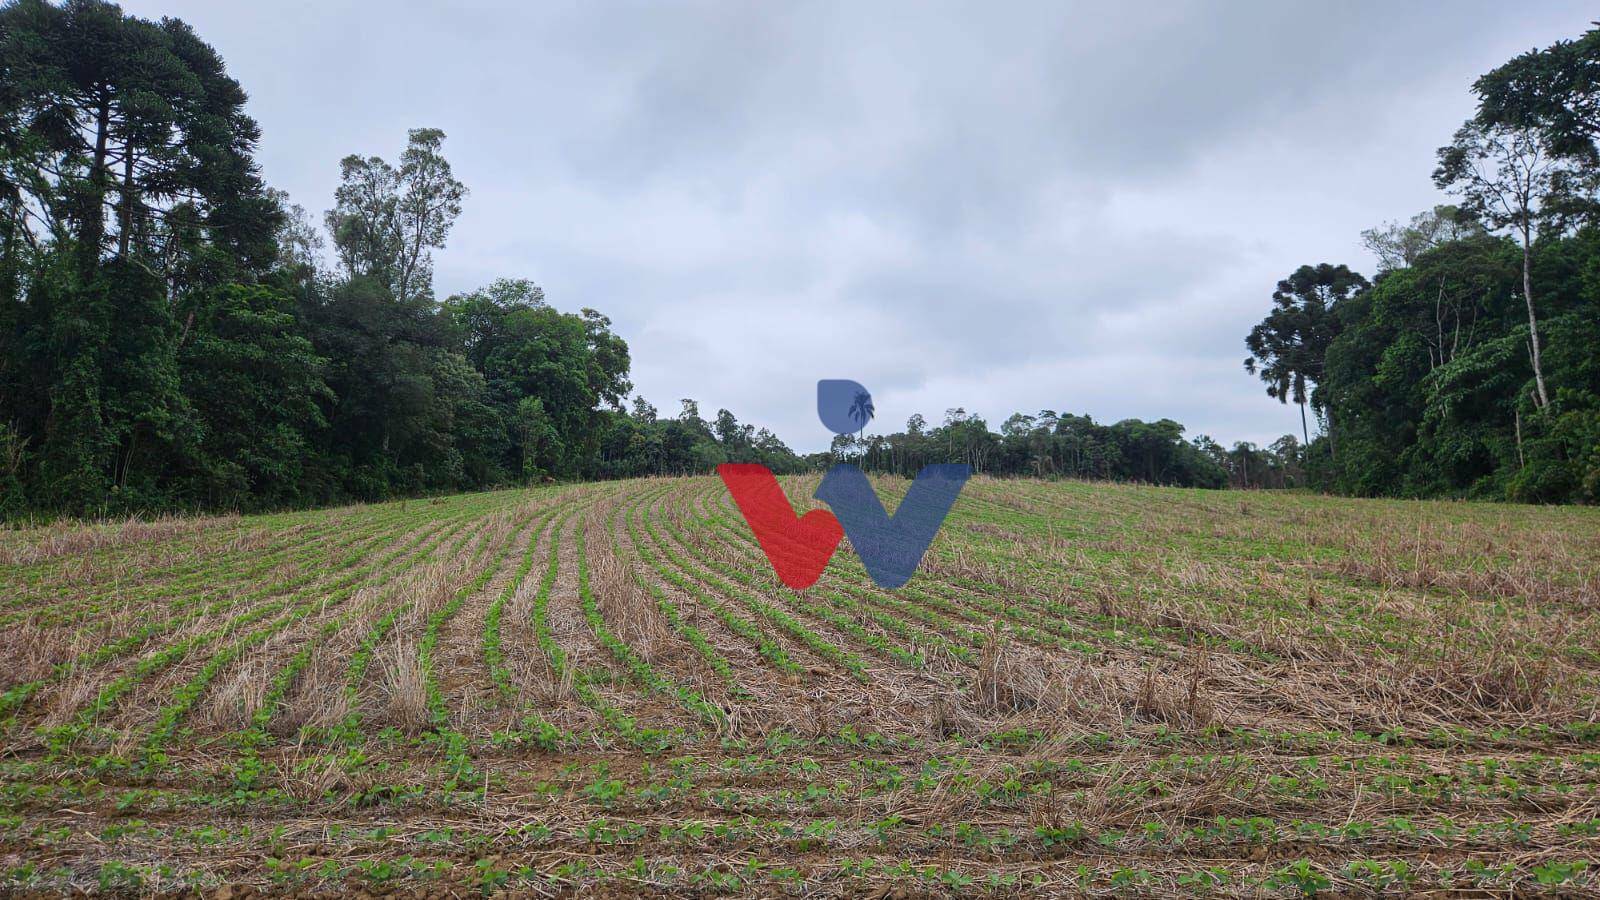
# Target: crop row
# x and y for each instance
(305, 579)
(293, 607)
(669, 610)
(210, 572)
(599, 863)
(664, 565)
(773, 613)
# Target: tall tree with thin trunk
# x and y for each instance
(1506, 177)
(427, 209)
(386, 220)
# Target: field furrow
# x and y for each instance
(606, 690)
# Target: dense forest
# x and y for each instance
(1470, 365)
(1052, 444)
(175, 334)
(170, 337)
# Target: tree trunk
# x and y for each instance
(92, 227)
(125, 208)
(127, 458)
(1438, 326)
(1518, 412)
(1305, 432)
(1533, 320)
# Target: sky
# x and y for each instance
(997, 207)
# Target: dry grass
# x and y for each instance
(319, 702)
(77, 539)
(1097, 687)
(36, 651)
(402, 688)
(235, 702)
(629, 611)
(1007, 680)
(1425, 564)
(1183, 704)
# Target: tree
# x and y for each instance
(538, 441)
(258, 386)
(571, 363)
(1397, 246)
(386, 220)
(736, 440)
(106, 116)
(1506, 177)
(1289, 347)
(477, 319)
(427, 209)
(365, 219)
(299, 241)
(1554, 91)
(689, 414)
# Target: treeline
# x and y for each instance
(1470, 365)
(170, 337)
(1052, 445)
(640, 443)
(175, 335)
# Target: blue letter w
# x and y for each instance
(891, 549)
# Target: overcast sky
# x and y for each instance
(999, 207)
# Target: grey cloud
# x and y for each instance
(995, 206)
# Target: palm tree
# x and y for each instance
(861, 410)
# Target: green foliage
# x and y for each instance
(167, 342)
(1049, 444)
(1468, 368)
(1287, 350)
(1429, 389)
(1302, 876)
(258, 385)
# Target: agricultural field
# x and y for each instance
(603, 689)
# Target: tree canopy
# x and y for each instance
(171, 338)
(1468, 366)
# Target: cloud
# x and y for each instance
(1036, 205)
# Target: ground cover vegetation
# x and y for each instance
(1088, 688)
(564, 666)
